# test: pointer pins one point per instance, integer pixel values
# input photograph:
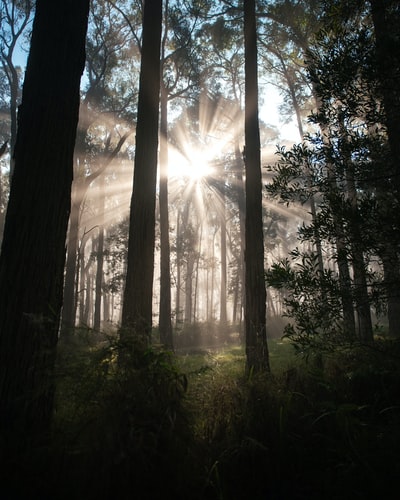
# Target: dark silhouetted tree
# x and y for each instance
(255, 305)
(138, 294)
(33, 250)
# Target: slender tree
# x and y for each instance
(255, 306)
(33, 249)
(107, 36)
(99, 256)
(165, 321)
(138, 294)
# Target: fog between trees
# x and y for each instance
(330, 246)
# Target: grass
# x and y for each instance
(192, 426)
(323, 429)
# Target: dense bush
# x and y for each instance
(193, 426)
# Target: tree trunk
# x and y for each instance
(363, 307)
(80, 187)
(189, 288)
(138, 294)
(178, 270)
(33, 249)
(69, 308)
(386, 23)
(255, 307)
(345, 284)
(386, 19)
(165, 324)
(222, 307)
(241, 201)
(100, 258)
(391, 269)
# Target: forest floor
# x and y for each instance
(323, 428)
(192, 426)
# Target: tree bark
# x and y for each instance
(33, 249)
(100, 258)
(386, 23)
(138, 294)
(178, 315)
(165, 322)
(391, 269)
(222, 306)
(255, 307)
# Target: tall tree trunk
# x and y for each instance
(80, 188)
(189, 288)
(241, 201)
(100, 257)
(86, 297)
(255, 307)
(391, 269)
(165, 323)
(69, 309)
(33, 249)
(2, 206)
(386, 19)
(297, 111)
(197, 271)
(345, 284)
(363, 307)
(222, 308)
(138, 294)
(178, 315)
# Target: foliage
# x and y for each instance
(327, 428)
(262, 437)
(344, 171)
(118, 422)
(312, 300)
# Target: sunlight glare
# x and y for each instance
(194, 165)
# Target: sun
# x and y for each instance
(193, 165)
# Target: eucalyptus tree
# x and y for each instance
(255, 305)
(180, 76)
(352, 164)
(32, 257)
(286, 33)
(366, 118)
(107, 112)
(137, 303)
(385, 16)
(224, 77)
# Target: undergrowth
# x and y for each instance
(191, 426)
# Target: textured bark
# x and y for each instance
(69, 306)
(363, 307)
(138, 294)
(165, 323)
(33, 250)
(178, 315)
(222, 309)
(255, 307)
(386, 19)
(391, 269)
(100, 257)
